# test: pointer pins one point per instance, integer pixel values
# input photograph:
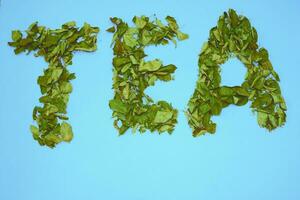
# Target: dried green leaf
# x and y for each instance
(16, 35)
(163, 116)
(118, 106)
(150, 66)
(66, 131)
(182, 36)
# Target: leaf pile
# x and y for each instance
(132, 108)
(234, 36)
(57, 47)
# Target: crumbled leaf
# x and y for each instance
(182, 36)
(16, 35)
(151, 65)
(118, 106)
(111, 29)
(140, 22)
(163, 116)
(66, 131)
(35, 132)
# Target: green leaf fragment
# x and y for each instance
(182, 36)
(66, 131)
(35, 132)
(163, 116)
(66, 87)
(16, 35)
(140, 22)
(118, 106)
(150, 66)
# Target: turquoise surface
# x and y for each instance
(241, 161)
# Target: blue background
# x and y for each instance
(241, 161)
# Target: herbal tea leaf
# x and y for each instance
(150, 66)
